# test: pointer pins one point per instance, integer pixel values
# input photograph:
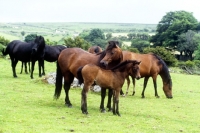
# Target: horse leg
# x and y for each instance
(67, 83)
(117, 102)
(21, 68)
(14, 63)
(25, 64)
(39, 66)
(84, 99)
(29, 67)
(133, 80)
(128, 84)
(110, 93)
(155, 86)
(103, 95)
(144, 86)
(32, 66)
(42, 66)
(114, 100)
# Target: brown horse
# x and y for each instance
(95, 50)
(71, 59)
(151, 66)
(112, 79)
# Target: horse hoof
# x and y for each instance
(143, 96)
(118, 114)
(85, 112)
(123, 95)
(103, 110)
(133, 94)
(157, 96)
(110, 109)
(68, 105)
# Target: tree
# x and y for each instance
(51, 43)
(139, 44)
(22, 33)
(108, 36)
(77, 42)
(3, 42)
(30, 37)
(166, 55)
(95, 37)
(171, 26)
(188, 42)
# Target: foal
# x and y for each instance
(111, 79)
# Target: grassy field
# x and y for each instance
(27, 105)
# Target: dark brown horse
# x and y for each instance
(71, 59)
(95, 49)
(112, 79)
(151, 66)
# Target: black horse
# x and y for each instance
(51, 54)
(25, 52)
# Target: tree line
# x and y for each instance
(177, 31)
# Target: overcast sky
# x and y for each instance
(117, 11)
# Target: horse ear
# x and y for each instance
(139, 62)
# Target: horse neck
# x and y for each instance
(165, 75)
(123, 71)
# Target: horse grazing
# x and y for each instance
(51, 54)
(112, 79)
(71, 59)
(25, 52)
(95, 49)
(151, 66)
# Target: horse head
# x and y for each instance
(113, 53)
(39, 47)
(135, 71)
(167, 88)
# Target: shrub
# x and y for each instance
(169, 59)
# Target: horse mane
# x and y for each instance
(165, 70)
(123, 64)
(112, 44)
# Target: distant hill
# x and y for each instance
(57, 31)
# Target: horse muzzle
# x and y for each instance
(105, 63)
(169, 97)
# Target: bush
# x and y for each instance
(169, 59)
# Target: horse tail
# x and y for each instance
(58, 83)
(79, 75)
(5, 52)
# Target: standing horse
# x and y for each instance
(151, 66)
(112, 79)
(51, 54)
(71, 59)
(25, 52)
(95, 49)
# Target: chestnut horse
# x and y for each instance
(151, 66)
(95, 49)
(112, 79)
(71, 59)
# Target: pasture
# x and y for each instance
(27, 105)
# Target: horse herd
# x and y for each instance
(107, 68)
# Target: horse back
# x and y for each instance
(149, 64)
(92, 73)
(71, 59)
(52, 52)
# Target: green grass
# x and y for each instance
(27, 105)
